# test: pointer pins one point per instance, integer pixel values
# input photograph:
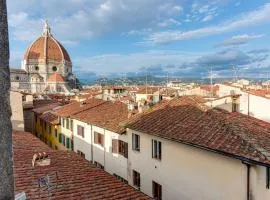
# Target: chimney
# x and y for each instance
(6, 161)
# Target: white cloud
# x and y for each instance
(88, 18)
(239, 40)
(252, 18)
(169, 22)
(207, 18)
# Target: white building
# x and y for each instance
(192, 153)
(99, 137)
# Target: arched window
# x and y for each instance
(54, 68)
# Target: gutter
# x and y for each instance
(212, 150)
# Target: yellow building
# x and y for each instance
(48, 129)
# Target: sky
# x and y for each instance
(177, 38)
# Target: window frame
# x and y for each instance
(99, 138)
(156, 149)
(136, 179)
(136, 142)
(156, 187)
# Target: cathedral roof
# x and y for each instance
(47, 47)
(56, 78)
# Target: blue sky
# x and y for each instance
(182, 38)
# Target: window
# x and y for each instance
(157, 191)
(98, 165)
(156, 149)
(98, 138)
(60, 138)
(63, 122)
(115, 148)
(136, 179)
(67, 123)
(81, 154)
(71, 144)
(68, 143)
(36, 68)
(17, 78)
(55, 132)
(54, 68)
(71, 125)
(120, 178)
(64, 139)
(135, 142)
(268, 177)
(80, 130)
(120, 147)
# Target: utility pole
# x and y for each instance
(6, 160)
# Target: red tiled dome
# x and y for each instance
(56, 78)
(48, 47)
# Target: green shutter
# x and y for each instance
(60, 138)
(67, 143)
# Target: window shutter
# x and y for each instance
(133, 141)
(71, 125)
(95, 137)
(159, 150)
(68, 143)
(82, 131)
(102, 140)
(138, 142)
(153, 150)
(114, 146)
(60, 138)
(125, 149)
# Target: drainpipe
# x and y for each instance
(104, 149)
(248, 180)
(92, 154)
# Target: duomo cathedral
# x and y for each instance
(46, 67)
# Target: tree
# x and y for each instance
(6, 161)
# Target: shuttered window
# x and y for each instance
(136, 179)
(135, 142)
(60, 138)
(115, 147)
(98, 138)
(80, 130)
(68, 143)
(121, 147)
(67, 125)
(156, 149)
(71, 125)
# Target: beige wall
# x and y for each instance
(189, 173)
(17, 111)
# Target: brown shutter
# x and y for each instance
(102, 140)
(114, 146)
(125, 149)
(95, 137)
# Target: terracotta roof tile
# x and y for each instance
(186, 121)
(56, 78)
(77, 107)
(46, 107)
(50, 118)
(71, 176)
(55, 50)
(108, 115)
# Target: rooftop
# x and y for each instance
(71, 177)
(108, 115)
(77, 107)
(186, 121)
(50, 118)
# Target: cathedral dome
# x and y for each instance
(46, 47)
